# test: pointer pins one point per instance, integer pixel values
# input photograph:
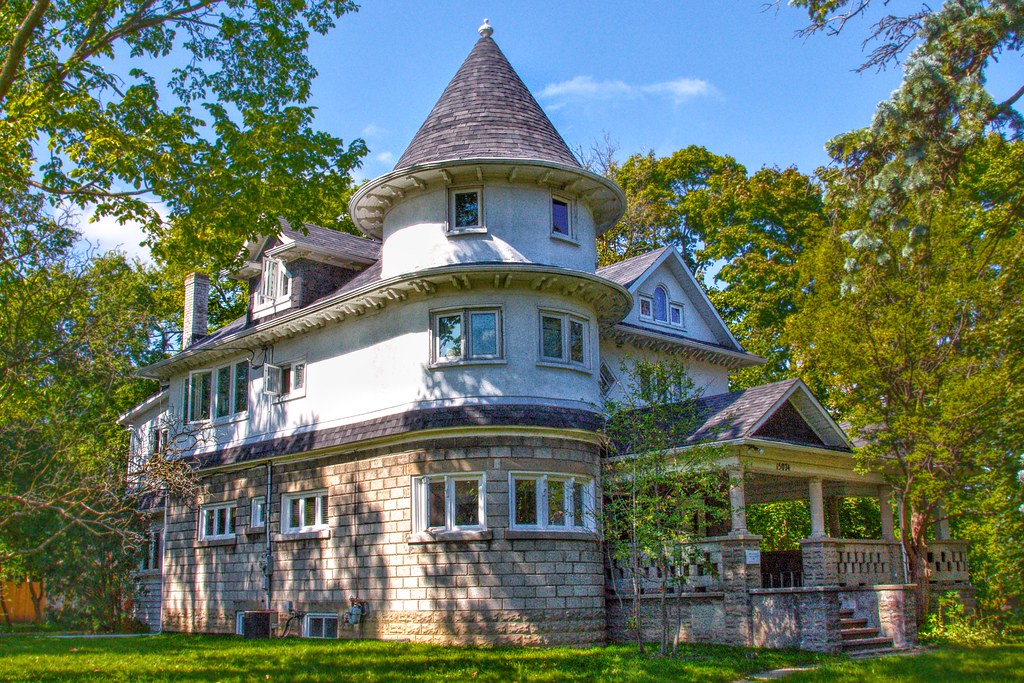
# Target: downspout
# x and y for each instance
(268, 557)
(903, 549)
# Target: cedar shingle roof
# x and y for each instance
(486, 112)
(333, 241)
(626, 272)
(733, 415)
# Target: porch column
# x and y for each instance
(941, 523)
(885, 508)
(833, 516)
(816, 496)
(738, 503)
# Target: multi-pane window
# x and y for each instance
(563, 338)
(258, 512)
(466, 210)
(217, 521)
(560, 217)
(660, 304)
(552, 501)
(304, 511)
(320, 626)
(287, 380)
(449, 502)
(660, 308)
(218, 393)
(158, 437)
(152, 551)
(276, 283)
(607, 379)
(471, 334)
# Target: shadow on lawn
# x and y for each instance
(1003, 663)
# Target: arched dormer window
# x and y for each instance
(660, 304)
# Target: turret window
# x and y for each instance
(561, 217)
(563, 338)
(466, 213)
(466, 335)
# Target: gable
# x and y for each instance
(787, 424)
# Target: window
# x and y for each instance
(472, 334)
(152, 551)
(660, 304)
(158, 437)
(645, 306)
(304, 511)
(258, 512)
(231, 395)
(552, 501)
(275, 284)
(607, 379)
(563, 338)
(675, 312)
(449, 502)
(217, 521)
(561, 223)
(320, 626)
(466, 210)
(239, 623)
(200, 395)
(287, 380)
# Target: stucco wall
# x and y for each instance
(538, 588)
(518, 222)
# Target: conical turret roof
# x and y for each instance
(486, 112)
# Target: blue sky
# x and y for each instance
(657, 75)
(725, 74)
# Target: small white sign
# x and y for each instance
(753, 556)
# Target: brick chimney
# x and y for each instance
(197, 301)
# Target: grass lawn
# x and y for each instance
(1003, 663)
(227, 658)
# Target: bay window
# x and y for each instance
(551, 502)
(449, 502)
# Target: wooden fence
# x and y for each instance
(18, 597)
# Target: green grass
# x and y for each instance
(1003, 663)
(225, 658)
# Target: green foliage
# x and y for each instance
(227, 144)
(783, 524)
(950, 624)
(658, 497)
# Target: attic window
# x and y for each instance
(275, 284)
(660, 304)
(466, 210)
(561, 225)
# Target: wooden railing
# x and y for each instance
(947, 562)
(699, 576)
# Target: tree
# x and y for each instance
(920, 347)
(657, 497)
(228, 145)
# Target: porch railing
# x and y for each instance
(700, 576)
(867, 562)
(947, 561)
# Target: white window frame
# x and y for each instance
(190, 418)
(481, 220)
(670, 305)
(321, 511)
(152, 551)
(158, 439)
(273, 379)
(240, 623)
(467, 353)
(675, 306)
(649, 315)
(277, 289)
(232, 411)
(258, 504)
(570, 217)
(307, 618)
(566, 357)
(231, 523)
(421, 501)
(606, 379)
(543, 479)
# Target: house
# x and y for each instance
(408, 421)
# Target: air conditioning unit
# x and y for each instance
(256, 625)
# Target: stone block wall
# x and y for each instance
(805, 618)
(499, 586)
(698, 618)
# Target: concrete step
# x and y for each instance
(864, 644)
(858, 633)
(853, 623)
(874, 652)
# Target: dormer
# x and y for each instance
(487, 179)
(295, 268)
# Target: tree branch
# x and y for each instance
(19, 45)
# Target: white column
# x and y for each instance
(738, 503)
(885, 508)
(941, 523)
(816, 496)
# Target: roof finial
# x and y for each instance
(485, 29)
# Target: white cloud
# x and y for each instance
(385, 157)
(372, 130)
(587, 88)
(105, 234)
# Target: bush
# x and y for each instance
(950, 624)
